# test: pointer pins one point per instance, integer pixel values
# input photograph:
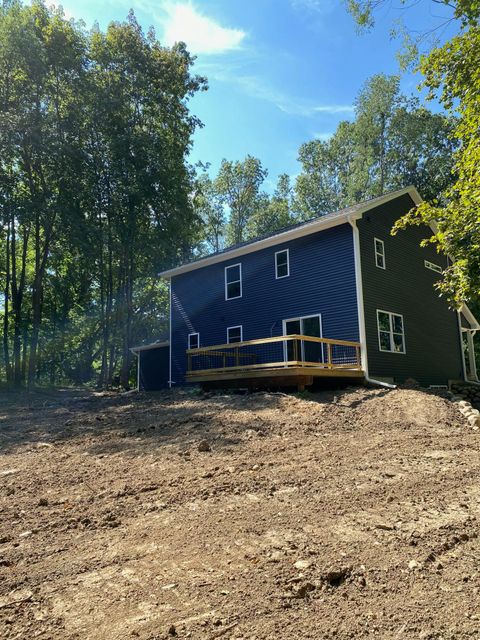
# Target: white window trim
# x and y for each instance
(237, 326)
(238, 264)
(300, 318)
(379, 253)
(287, 251)
(432, 266)
(195, 333)
(391, 332)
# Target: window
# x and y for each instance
(391, 334)
(282, 264)
(193, 340)
(433, 267)
(233, 282)
(379, 253)
(235, 334)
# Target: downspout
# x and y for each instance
(360, 307)
(170, 336)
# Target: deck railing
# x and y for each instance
(269, 353)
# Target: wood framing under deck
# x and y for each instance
(293, 360)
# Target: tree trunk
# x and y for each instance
(6, 294)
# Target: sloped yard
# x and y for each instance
(337, 515)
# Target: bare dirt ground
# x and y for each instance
(349, 514)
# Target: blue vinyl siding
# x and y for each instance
(321, 281)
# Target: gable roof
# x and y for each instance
(320, 223)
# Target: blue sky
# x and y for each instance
(280, 72)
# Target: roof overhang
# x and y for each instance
(152, 345)
(344, 216)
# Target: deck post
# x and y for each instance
(329, 355)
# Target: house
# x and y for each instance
(335, 296)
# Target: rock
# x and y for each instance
(413, 564)
(473, 421)
(204, 446)
(43, 502)
(302, 564)
(172, 631)
(25, 534)
(9, 472)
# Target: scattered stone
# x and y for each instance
(303, 564)
(43, 502)
(384, 526)
(172, 631)
(204, 446)
(413, 564)
(25, 534)
(9, 472)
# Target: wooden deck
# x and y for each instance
(294, 360)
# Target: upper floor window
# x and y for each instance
(282, 264)
(433, 267)
(379, 253)
(193, 340)
(235, 334)
(233, 281)
(391, 333)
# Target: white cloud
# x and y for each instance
(201, 34)
(257, 88)
(334, 108)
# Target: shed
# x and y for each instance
(153, 362)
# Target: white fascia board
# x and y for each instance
(256, 246)
(344, 216)
(472, 321)
(147, 347)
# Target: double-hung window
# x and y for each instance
(193, 340)
(235, 334)
(379, 253)
(282, 264)
(391, 332)
(233, 282)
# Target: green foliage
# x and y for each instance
(208, 205)
(392, 143)
(273, 213)
(95, 191)
(238, 184)
(454, 71)
(451, 72)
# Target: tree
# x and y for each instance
(275, 213)
(451, 73)
(238, 184)
(95, 190)
(208, 205)
(393, 142)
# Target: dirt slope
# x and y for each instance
(352, 515)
